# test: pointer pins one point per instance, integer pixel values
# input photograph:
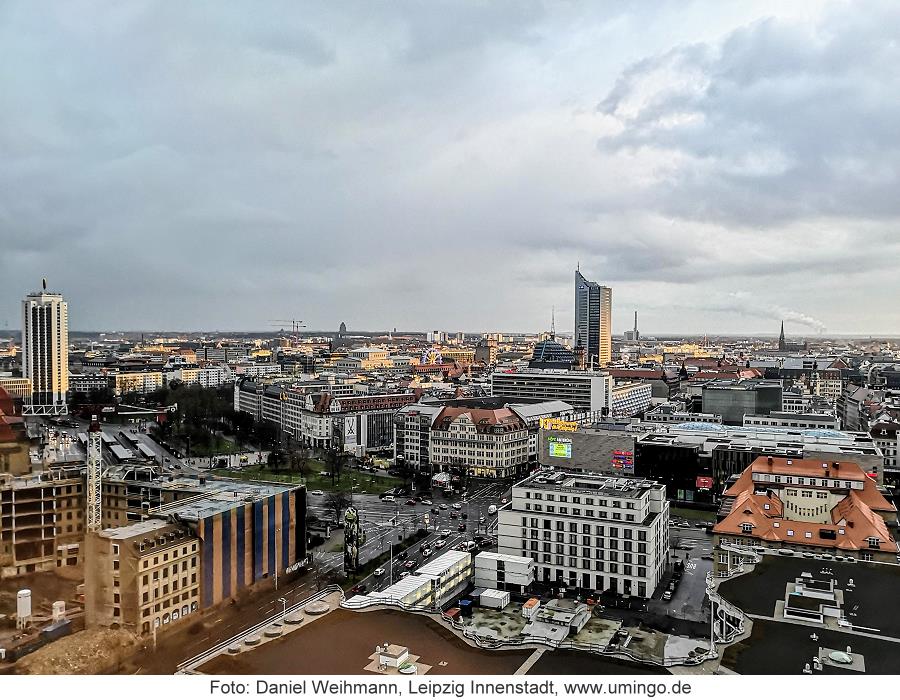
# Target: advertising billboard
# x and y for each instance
(704, 482)
(623, 461)
(560, 447)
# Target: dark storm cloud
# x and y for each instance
(447, 164)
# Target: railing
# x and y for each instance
(485, 642)
(723, 609)
(195, 662)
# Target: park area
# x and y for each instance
(358, 482)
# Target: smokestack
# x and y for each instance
(635, 322)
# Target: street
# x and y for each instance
(386, 523)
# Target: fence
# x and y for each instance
(190, 666)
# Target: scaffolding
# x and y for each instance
(93, 502)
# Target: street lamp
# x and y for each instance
(283, 602)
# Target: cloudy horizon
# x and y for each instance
(448, 165)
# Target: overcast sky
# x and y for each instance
(446, 165)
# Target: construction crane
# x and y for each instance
(295, 324)
(94, 476)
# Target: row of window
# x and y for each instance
(627, 533)
(588, 512)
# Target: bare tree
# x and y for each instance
(337, 501)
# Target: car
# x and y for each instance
(316, 493)
(411, 564)
(378, 572)
(440, 543)
(359, 588)
(427, 552)
(464, 516)
(481, 520)
(706, 557)
(426, 502)
(436, 511)
(667, 596)
(457, 506)
(445, 533)
(700, 523)
(410, 501)
(453, 515)
(402, 555)
(389, 499)
(492, 509)
(462, 527)
(443, 506)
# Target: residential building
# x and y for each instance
(18, 388)
(86, 383)
(45, 352)
(486, 352)
(805, 505)
(143, 382)
(593, 320)
(887, 438)
(630, 399)
(592, 533)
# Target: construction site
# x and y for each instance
(100, 557)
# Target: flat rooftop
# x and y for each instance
(212, 496)
(588, 483)
(143, 527)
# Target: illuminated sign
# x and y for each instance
(704, 482)
(557, 424)
(560, 447)
(623, 460)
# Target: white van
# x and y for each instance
(492, 510)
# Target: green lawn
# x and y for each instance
(365, 483)
(221, 447)
(707, 516)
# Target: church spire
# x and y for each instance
(782, 345)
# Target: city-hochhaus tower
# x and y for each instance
(45, 352)
(593, 320)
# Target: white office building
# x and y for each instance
(586, 391)
(594, 533)
(45, 352)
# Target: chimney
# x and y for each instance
(770, 461)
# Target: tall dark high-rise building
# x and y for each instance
(593, 320)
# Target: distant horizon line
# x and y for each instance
(385, 332)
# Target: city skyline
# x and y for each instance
(173, 167)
